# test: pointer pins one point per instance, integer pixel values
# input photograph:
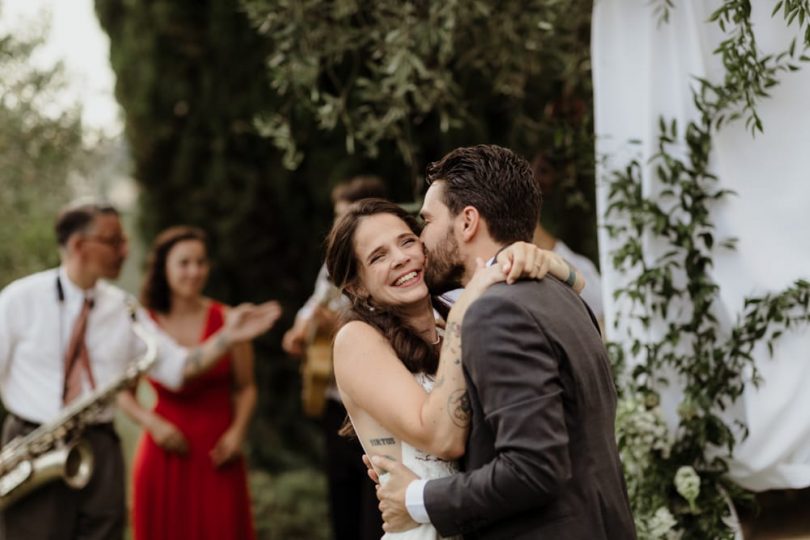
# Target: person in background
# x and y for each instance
(189, 477)
(326, 301)
(65, 332)
(352, 499)
(592, 293)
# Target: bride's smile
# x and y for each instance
(391, 260)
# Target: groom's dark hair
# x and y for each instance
(497, 182)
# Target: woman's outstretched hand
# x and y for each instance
(247, 321)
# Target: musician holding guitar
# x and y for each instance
(352, 499)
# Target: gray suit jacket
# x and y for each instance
(541, 459)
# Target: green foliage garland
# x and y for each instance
(677, 480)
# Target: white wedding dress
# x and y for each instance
(424, 466)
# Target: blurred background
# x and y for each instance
(240, 116)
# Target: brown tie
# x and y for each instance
(76, 357)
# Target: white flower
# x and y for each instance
(687, 484)
(662, 525)
(641, 431)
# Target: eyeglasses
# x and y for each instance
(115, 242)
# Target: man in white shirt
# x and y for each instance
(546, 175)
(37, 318)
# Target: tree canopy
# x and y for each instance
(421, 78)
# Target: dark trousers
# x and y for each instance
(352, 497)
(54, 511)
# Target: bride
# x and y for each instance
(399, 375)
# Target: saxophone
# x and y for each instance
(56, 450)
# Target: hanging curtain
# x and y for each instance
(643, 70)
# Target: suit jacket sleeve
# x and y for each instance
(515, 373)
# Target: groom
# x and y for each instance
(541, 460)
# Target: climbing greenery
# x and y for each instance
(677, 479)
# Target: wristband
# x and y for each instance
(572, 276)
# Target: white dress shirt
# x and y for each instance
(325, 294)
(36, 322)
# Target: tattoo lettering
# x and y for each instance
(384, 441)
(458, 406)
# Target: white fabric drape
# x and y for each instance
(643, 70)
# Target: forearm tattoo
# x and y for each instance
(193, 360)
(452, 340)
(221, 342)
(458, 406)
(383, 441)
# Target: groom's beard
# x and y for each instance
(444, 270)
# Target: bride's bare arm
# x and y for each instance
(374, 380)
(369, 373)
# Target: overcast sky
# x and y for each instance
(77, 39)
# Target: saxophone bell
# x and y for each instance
(72, 462)
(78, 464)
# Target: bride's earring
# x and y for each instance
(365, 303)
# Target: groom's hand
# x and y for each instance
(392, 494)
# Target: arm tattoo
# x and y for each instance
(384, 441)
(193, 360)
(452, 338)
(221, 342)
(458, 406)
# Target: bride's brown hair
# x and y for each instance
(344, 270)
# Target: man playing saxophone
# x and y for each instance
(65, 332)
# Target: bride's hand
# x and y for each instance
(525, 260)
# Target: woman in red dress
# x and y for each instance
(189, 476)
